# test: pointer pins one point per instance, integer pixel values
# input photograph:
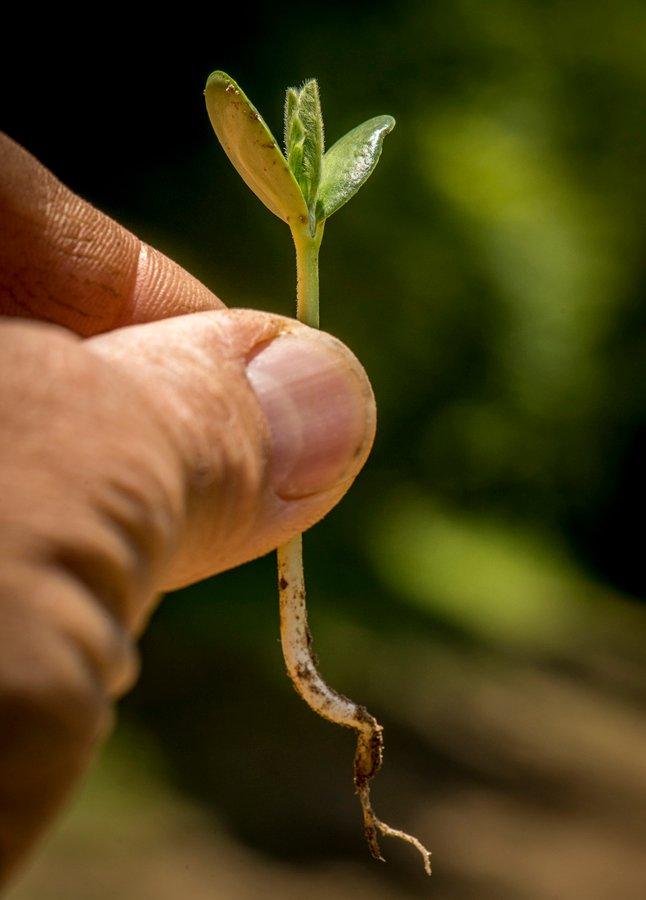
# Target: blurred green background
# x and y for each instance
(481, 588)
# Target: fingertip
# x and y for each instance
(163, 289)
(66, 263)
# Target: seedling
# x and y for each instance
(304, 187)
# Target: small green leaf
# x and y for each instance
(295, 142)
(309, 114)
(252, 149)
(348, 163)
(304, 140)
(291, 105)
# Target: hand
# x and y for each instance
(150, 437)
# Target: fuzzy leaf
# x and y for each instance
(304, 141)
(291, 104)
(309, 114)
(348, 164)
(295, 137)
(252, 149)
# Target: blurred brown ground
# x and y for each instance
(535, 790)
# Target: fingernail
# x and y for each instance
(320, 409)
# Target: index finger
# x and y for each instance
(63, 261)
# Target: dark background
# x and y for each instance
(481, 587)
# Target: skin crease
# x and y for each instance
(135, 457)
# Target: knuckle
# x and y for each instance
(49, 697)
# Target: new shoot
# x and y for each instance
(304, 186)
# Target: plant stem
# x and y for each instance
(307, 275)
(295, 635)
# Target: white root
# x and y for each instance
(301, 668)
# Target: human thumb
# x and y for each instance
(271, 421)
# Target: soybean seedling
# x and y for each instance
(304, 187)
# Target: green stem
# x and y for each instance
(307, 275)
